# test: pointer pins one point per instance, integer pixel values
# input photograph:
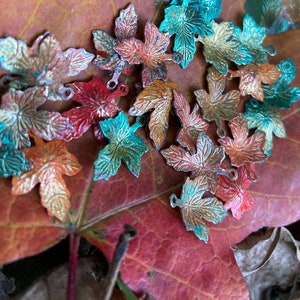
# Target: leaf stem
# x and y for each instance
(73, 257)
(121, 248)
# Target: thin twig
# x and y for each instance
(121, 248)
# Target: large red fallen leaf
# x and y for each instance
(165, 259)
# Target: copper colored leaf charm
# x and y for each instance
(125, 28)
(243, 149)
(124, 145)
(265, 118)
(205, 162)
(215, 105)
(233, 192)
(151, 54)
(97, 103)
(157, 96)
(195, 209)
(44, 64)
(20, 115)
(252, 77)
(50, 161)
(191, 122)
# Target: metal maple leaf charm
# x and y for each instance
(191, 122)
(12, 161)
(157, 96)
(233, 192)
(125, 28)
(242, 149)
(19, 112)
(205, 162)
(252, 76)
(195, 209)
(124, 145)
(44, 64)
(215, 105)
(150, 54)
(97, 103)
(50, 161)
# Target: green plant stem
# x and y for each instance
(73, 257)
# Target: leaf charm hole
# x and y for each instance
(112, 84)
(221, 132)
(230, 173)
(123, 88)
(173, 199)
(66, 93)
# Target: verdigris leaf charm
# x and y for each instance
(19, 112)
(215, 105)
(125, 28)
(50, 161)
(124, 145)
(265, 118)
(205, 162)
(195, 210)
(44, 64)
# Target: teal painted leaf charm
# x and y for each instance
(269, 14)
(12, 161)
(185, 20)
(19, 112)
(124, 145)
(195, 209)
(265, 118)
(252, 36)
(278, 93)
(44, 64)
(225, 44)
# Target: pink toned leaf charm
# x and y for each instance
(234, 194)
(44, 64)
(97, 103)
(191, 122)
(215, 105)
(205, 162)
(252, 76)
(50, 161)
(20, 115)
(243, 149)
(125, 28)
(151, 54)
(157, 96)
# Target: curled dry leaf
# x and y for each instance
(44, 64)
(252, 76)
(97, 103)
(152, 54)
(157, 96)
(268, 258)
(20, 115)
(233, 192)
(195, 209)
(205, 162)
(50, 161)
(191, 122)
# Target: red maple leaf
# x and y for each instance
(97, 103)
